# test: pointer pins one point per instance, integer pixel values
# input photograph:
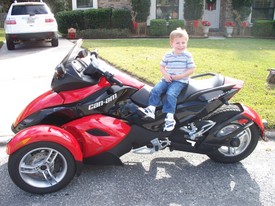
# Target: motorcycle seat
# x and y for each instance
(203, 89)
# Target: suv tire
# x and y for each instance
(10, 44)
(55, 42)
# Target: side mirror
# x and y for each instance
(59, 71)
(83, 53)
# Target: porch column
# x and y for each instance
(152, 11)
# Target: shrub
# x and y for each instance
(158, 27)
(142, 7)
(174, 24)
(68, 19)
(193, 9)
(121, 19)
(57, 5)
(242, 7)
(264, 28)
(97, 18)
(103, 33)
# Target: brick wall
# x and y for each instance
(226, 12)
(115, 4)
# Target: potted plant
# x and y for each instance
(205, 26)
(229, 25)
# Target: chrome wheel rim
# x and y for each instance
(244, 137)
(43, 167)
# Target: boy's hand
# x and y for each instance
(183, 75)
(168, 78)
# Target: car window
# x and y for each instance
(28, 9)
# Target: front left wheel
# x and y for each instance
(41, 167)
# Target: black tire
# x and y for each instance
(10, 44)
(42, 167)
(248, 140)
(55, 42)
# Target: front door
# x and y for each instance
(212, 13)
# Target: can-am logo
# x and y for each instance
(102, 102)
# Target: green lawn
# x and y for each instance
(2, 36)
(245, 59)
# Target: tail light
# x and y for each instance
(10, 22)
(49, 20)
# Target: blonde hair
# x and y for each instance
(179, 32)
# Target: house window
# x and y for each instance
(263, 9)
(167, 9)
(84, 3)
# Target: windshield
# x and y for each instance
(73, 52)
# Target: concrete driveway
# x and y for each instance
(26, 72)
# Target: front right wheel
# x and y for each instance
(248, 138)
(55, 42)
(41, 167)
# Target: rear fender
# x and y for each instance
(225, 140)
(246, 118)
(251, 114)
(45, 133)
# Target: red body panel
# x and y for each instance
(78, 94)
(50, 99)
(45, 133)
(129, 81)
(251, 114)
(115, 131)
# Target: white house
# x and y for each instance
(217, 13)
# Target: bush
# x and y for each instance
(193, 9)
(93, 19)
(174, 24)
(157, 27)
(121, 19)
(68, 19)
(57, 5)
(103, 33)
(243, 8)
(142, 7)
(97, 18)
(264, 28)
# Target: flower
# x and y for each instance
(230, 24)
(206, 23)
(244, 24)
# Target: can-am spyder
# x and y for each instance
(91, 115)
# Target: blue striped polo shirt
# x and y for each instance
(177, 64)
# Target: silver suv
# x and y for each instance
(30, 21)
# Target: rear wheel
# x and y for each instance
(248, 138)
(41, 167)
(10, 44)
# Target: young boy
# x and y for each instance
(176, 67)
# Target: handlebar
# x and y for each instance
(110, 77)
(96, 67)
